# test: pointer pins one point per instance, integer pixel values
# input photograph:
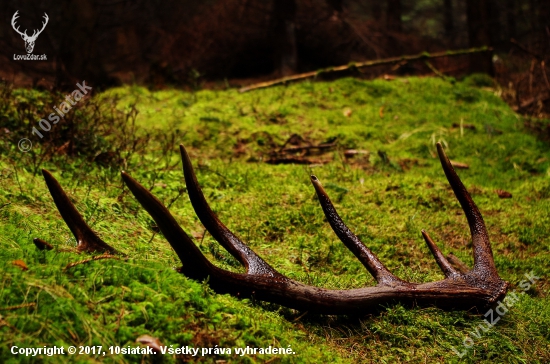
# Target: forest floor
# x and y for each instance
(379, 166)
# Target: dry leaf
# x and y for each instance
(351, 152)
(459, 165)
(21, 264)
(152, 342)
(503, 194)
(381, 112)
(197, 235)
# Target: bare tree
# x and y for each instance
(448, 23)
(478, 35)
(284, 36)
(393, 16)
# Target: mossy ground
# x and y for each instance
(386, 196)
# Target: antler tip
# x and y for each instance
(47, 174)
(440, 150)
(317, 184)
(125, 176)
(185, 159)
(130, 182)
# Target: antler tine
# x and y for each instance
(195, 264)
(86, 238)
(378, 270)
(458, 264)
(443, 263)
(483, 255)
(252, 262)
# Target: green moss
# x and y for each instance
(385, 195)
(479, 80)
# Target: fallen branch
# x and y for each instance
(294, 160)
(307, 148)
(530, 101)
(378, 62)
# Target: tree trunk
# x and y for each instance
(284, 36)
(336, 5)
(478, 35)
(544, 17)
(494, 24)
(393, 16)
(511, 18)
(376, 9)
(448, 20)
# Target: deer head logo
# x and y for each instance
(29, 40)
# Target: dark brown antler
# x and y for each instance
(477, 288)
(86, 239)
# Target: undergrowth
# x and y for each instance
(389, 188)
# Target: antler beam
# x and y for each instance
(478, 288)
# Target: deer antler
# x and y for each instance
(477, 288)
(86, 239)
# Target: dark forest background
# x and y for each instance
(186, 42)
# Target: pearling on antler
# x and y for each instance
(478, 288)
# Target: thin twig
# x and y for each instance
(435, 70)
(525, 49)
(97, 257)
(11, 308)
(542, 67)
(378, 62)
(531, 70)
(299, 317)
